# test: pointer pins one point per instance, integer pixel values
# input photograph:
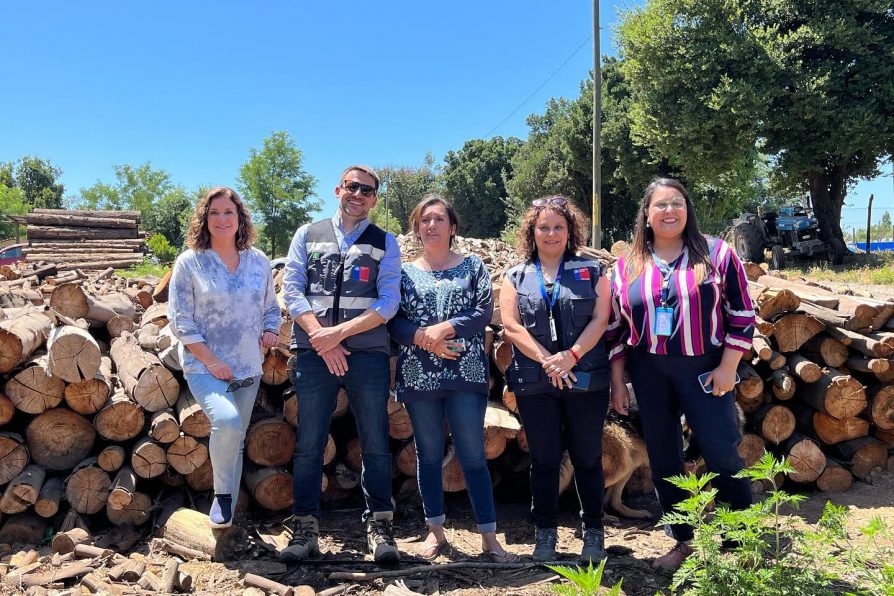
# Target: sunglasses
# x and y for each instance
(353, 187)
(552, 201)
(237, 384)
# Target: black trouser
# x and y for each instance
(667, 386)
(556, 421)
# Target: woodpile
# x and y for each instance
(74, 239)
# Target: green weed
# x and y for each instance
(584, 581)
(144, 269)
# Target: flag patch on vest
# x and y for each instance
(582, 274)
(360, 273)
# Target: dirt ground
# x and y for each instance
(632, 546)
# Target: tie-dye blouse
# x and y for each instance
(716, 313)
(227, 311)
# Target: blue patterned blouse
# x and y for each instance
(227, 311)
(461, 295)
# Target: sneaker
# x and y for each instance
(674, 558)
(304, 533)
(545, 545)
(221, 513)
(593, 550)
(380, 539)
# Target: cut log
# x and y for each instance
(123, 489)
(347, 479)
(111, 458)
(451, 472)
(270, 442)
(805, 456)
(129, 571)
(881, 406)
(120, 324)
(192, 530)
(186, 454)
(763, 327)
(71, 300)
(835, 394)
(33, 390)
(761, 347)
(13, 456)
(157, 314)
(145, 379)
(89, 396)
(773, 301)
(65, 542)
(822, 348)
(23, 528)
(874, 345)
(135, 513)
(59, 438)
(121, 418)
(751, 386)
(87, 488)
(353, 457)
(7, 409)
(148, 458)
(329, 451)
(792, 330)
(804, 369)
(868, 365)
(133, 215)
(78, 233)
(399, 425)
(406, 459)
(835, 478)
(861, 455)
(509, 400)
(503, 355)
(775, 423)
(274, 371)
(499, 427)
(22, 492)
(271, 488)
(140, 297)
(751, 448)
(47, 504)
(163, 427)
(193, 420)
(782, 384)
(201, 479)
(20, 336)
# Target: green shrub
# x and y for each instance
(584, 581)
(161, 248)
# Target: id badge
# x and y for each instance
(552, 330)
(663, 320)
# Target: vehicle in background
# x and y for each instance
(12, 253)
(277, 264)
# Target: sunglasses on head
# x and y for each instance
(240, 384)
(552, 201)
(354, 187)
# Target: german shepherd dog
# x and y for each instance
(623, 451)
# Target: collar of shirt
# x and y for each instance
(346, 238)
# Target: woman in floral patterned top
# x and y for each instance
(442, 370)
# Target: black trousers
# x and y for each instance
(667, 386)
(557, 421)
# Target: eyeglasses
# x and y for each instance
(365, 189)
(674, 205)
(237, 384)
(552, 201)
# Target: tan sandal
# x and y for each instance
(433, 551)
(503, 557)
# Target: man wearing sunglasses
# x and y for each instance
(342, 283)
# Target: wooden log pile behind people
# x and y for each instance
(83, 239)
(98, 429)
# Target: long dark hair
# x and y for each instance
(198, 237)
(641, 250)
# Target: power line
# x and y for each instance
(542, 85)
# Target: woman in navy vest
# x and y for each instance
(442, 369)
(555, 308)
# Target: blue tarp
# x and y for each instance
(885, 245)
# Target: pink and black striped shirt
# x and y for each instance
(708, 316)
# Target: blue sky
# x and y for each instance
(192, 86)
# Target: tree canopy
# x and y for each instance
(36, 178)
(808, 83)
(403, 187)
(279, 191)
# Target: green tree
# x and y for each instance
(475, 180)
(170, 215)
(401, 188)
(384, 218)
(278, 189)
(137, 188)
(810, 81)
(36, 177)
(12, 202)
(7, 174)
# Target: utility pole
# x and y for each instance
(596, 228)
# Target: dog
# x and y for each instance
(623, 451)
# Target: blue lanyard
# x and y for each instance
(666, 273)
(550, 300)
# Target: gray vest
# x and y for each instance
(575, 304)
(341, 287)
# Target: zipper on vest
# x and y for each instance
(339, 275)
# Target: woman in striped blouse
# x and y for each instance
(681, 310)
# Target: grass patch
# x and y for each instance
(877, 269)
(144, 269)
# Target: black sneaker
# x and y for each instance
(593, 550)
(380, 539)
(304, 533)
(545, 544)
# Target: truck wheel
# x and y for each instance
(777, 257)
(748, 243)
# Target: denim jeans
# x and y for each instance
(667, 386)
(465, 414)
(557, 421)
(230, 414)
(366, 384)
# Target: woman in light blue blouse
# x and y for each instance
(442, 369)
(223, 310)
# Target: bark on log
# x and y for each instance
(782, 384)
(499, 427)
(761, 347)
(270, 442)
(135, 513)
(192, 530)
(120, 324)
(274, 371)
(22, 492)
(186, 454)
(132, 215)
(87, 488)
(163, 427)
(805, 456)
(71, 300)
(873, 345)
(59, 438)
(47, 504)
(775, 423)
(121, 419)
(406, 459)
(451, 472)
(881, 406)
(23, 528)
(111, 458)
(145, 379)
(861, 455)
(792, 330)
(148, 458)
(33, 390)
(193, 420)
(399, 425)
(89, 396)
(271, 488)
(123, 488)
(20, 336)
(868, 365)
(804, 369)
(14, 456)
(773, 301)
(835, 394)
(835, 478)
(76, 233)
(826, 349)
(65, 542)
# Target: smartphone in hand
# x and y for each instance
(710, 387)
(457, 344)
(582, 380)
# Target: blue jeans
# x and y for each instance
(230, 414)
(366, 384)
(465, 413)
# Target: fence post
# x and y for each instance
(869, 225)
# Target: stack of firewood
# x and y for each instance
(83, 239)
(819, 387)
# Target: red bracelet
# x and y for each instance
(573, 353)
